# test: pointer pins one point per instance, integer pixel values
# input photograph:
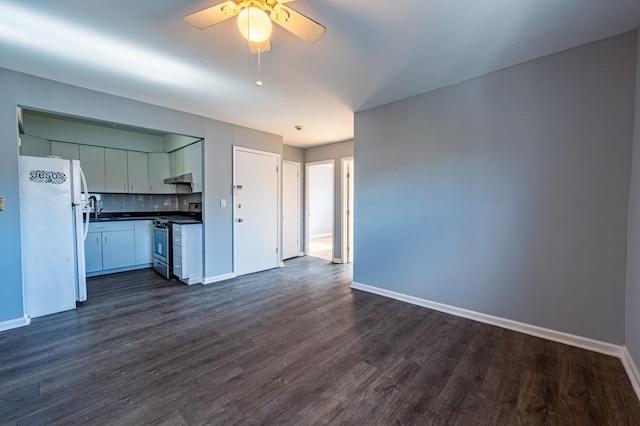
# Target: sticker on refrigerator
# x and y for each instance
(44, 176)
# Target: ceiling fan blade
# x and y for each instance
(212, 15)
(260, 47)
(296, 23)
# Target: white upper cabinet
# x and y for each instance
(158, 172)
(176, 162)
(138, 171)
(115, 165)
(66, 150)
(92, 163)
(126, 171)
(193, 164)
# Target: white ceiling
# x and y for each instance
(373, 52)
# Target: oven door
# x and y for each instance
(161, 243)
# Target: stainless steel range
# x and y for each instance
(162, 247)
(162, 238)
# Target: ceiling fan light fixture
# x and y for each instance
(280, 15)
(254, 25)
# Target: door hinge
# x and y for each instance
(276, 169)
(276, 249)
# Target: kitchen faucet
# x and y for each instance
(93, 203)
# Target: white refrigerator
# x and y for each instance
(52, 233)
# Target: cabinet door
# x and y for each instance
(144, 241)
(176, 162)
(93, 252)
(118, 249)
(138, 171)
(66, 150)
(33, 146)
(158, 172)
(115, 166)
(193, 164)
(92, 162)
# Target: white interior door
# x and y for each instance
(290, 209)
(256, 211)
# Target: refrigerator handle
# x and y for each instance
(85, 191)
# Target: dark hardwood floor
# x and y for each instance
(292, 346)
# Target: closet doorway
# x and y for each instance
(320, 209)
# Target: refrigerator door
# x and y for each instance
(48, 236)
(79, 230)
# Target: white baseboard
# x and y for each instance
(533, 330)
(336, 260)
(14, 323)
(301, 254)
(632, 370)
(191, 281)
(218, 278)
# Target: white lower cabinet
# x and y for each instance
(111, 246)
(144, 241)
(187, 252)
(93, 252)
(118, 249)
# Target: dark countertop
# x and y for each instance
(185, 221)
(113, 217)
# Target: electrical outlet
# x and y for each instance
(1, 204)
(223, 202)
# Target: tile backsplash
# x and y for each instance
(124, 203)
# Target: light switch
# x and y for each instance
(1, 204)
(223, 202)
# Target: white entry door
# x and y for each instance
(290, 209)
(256, 211)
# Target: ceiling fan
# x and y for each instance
(254, 21)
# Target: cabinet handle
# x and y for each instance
(97, 240)
(131, 185)
(151, 188)
(105, 238)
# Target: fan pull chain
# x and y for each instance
(259, 81)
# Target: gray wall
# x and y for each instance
(633, 248)
(35, 93)
(333, 151)
(506, 194)
(293, 153)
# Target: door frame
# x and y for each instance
(347, 174)
(307, 181)
(237, 149)
(298, 205)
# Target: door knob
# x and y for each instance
(240, 219)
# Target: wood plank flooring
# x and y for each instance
(292, 346)
(321, 247)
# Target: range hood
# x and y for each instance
(186, 179)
